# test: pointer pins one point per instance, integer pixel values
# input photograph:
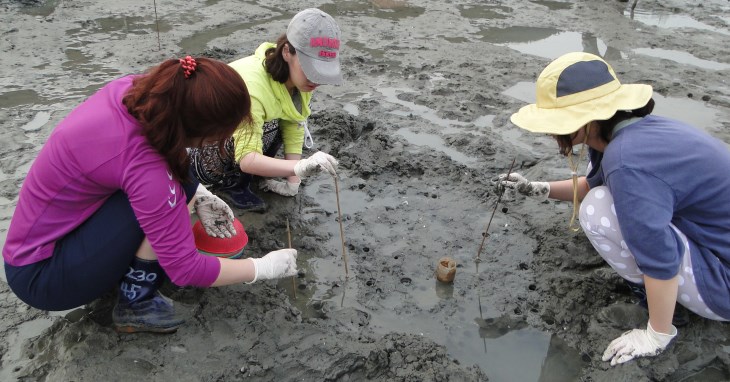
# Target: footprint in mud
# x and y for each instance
(623, 316)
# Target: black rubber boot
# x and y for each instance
(238, 193)
(681, 314)
(140, 306)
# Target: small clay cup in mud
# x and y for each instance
(446, 270)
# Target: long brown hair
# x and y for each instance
(174, 110)
(274, 62)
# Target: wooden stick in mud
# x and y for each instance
(342, 231)
(293, 278)
(159, 47)
(486, 230)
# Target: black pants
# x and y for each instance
(86, 263)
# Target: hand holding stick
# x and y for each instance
(484, 236)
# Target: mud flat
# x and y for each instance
(420, 127)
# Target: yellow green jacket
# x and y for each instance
(269, 100)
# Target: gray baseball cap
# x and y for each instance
(316, 37)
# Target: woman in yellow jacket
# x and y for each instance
(280, 78)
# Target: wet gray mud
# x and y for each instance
(420, 127)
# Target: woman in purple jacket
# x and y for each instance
(105, 203)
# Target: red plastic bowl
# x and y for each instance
(220, 247)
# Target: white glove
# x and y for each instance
(214, 214)
(314, 164)
(284, 188)
(637, 343)
(517, 182)
(276, 264)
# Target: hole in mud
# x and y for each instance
(302, 286)
(505, 209)
(532, 287)
(585, 357)
(524, 266)
(370, 282)
(406, 281)
(365, 249)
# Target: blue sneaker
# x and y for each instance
(140, 306)
(244, 199)
(155, 314)
(235, 189)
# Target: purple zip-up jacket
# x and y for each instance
(97, 150)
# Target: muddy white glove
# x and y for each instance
(276, 264)
(637, 343)
(320, 161)
(284, 188)
(517, 182)
(214, 214)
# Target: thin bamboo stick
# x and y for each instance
(159, 46)
(486, 230)
(293, 278)
(342, 231)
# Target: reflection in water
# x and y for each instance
(199, 41)
(498, 326)
(484, 12)
(682, 58)
(548, 42)
(671, 21)
(554, 5)
(431, 115)
(43, 8)
(19, 97)
(561, 364)
(436, 143)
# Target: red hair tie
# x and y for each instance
(188, 64)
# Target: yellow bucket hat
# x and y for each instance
(575, 89)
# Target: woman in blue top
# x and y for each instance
(655, 202)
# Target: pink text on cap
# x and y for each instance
(326, 42)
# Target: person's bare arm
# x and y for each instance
(661, 295)
(261, 165)
(563, 189)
